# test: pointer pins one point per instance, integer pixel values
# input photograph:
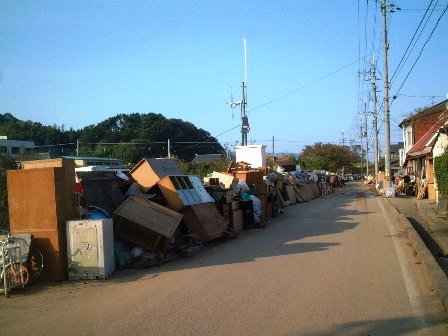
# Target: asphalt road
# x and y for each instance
(333, 266)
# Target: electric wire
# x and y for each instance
(406, 55)
(304, 86)
(421, 51)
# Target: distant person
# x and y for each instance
(406, 181)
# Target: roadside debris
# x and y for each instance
(90, 222)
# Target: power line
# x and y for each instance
(306, 85)
(397, 71)
(421, 51)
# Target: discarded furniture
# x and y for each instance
(145, 223)
(41, 200)
(205, 221)
(149, 171)
(250, 176)
(101, 189)
(183, 190)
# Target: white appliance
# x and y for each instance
(90, 249)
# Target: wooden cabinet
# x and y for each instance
(41, 200)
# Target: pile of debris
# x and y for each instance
(155, 211)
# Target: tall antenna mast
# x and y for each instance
(244, 120)
(245, 62)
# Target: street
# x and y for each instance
(333, 266)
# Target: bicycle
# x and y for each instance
(19, 269)
(13, 273)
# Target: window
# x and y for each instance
(15, 150)
(3, 150)
(408, 138)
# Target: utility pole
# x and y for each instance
(273, 153)
(77, 147)
(367, 139)
(169, 151)
(386, 100)
(361, 136)
(343, 145)
(375, 119)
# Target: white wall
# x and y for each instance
(253, 154)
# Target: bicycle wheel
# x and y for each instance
(35, 264)
(13, 274)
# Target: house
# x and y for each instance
(15, 147)
(395, 165)
(425, 137)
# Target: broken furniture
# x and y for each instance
(146, 224)
(183, 190)
(149, 171)
(101, 189)
(204, 221)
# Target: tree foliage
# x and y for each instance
(129, 137)
(327, 157)
(441, 172)
(6, 163)
(201, 169)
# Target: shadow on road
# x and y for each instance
(392, 326)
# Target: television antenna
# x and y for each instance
(242, 103)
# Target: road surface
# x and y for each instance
(333, 266)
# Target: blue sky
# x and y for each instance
(77, 63)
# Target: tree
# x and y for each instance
(7, 162)
(327, 157)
